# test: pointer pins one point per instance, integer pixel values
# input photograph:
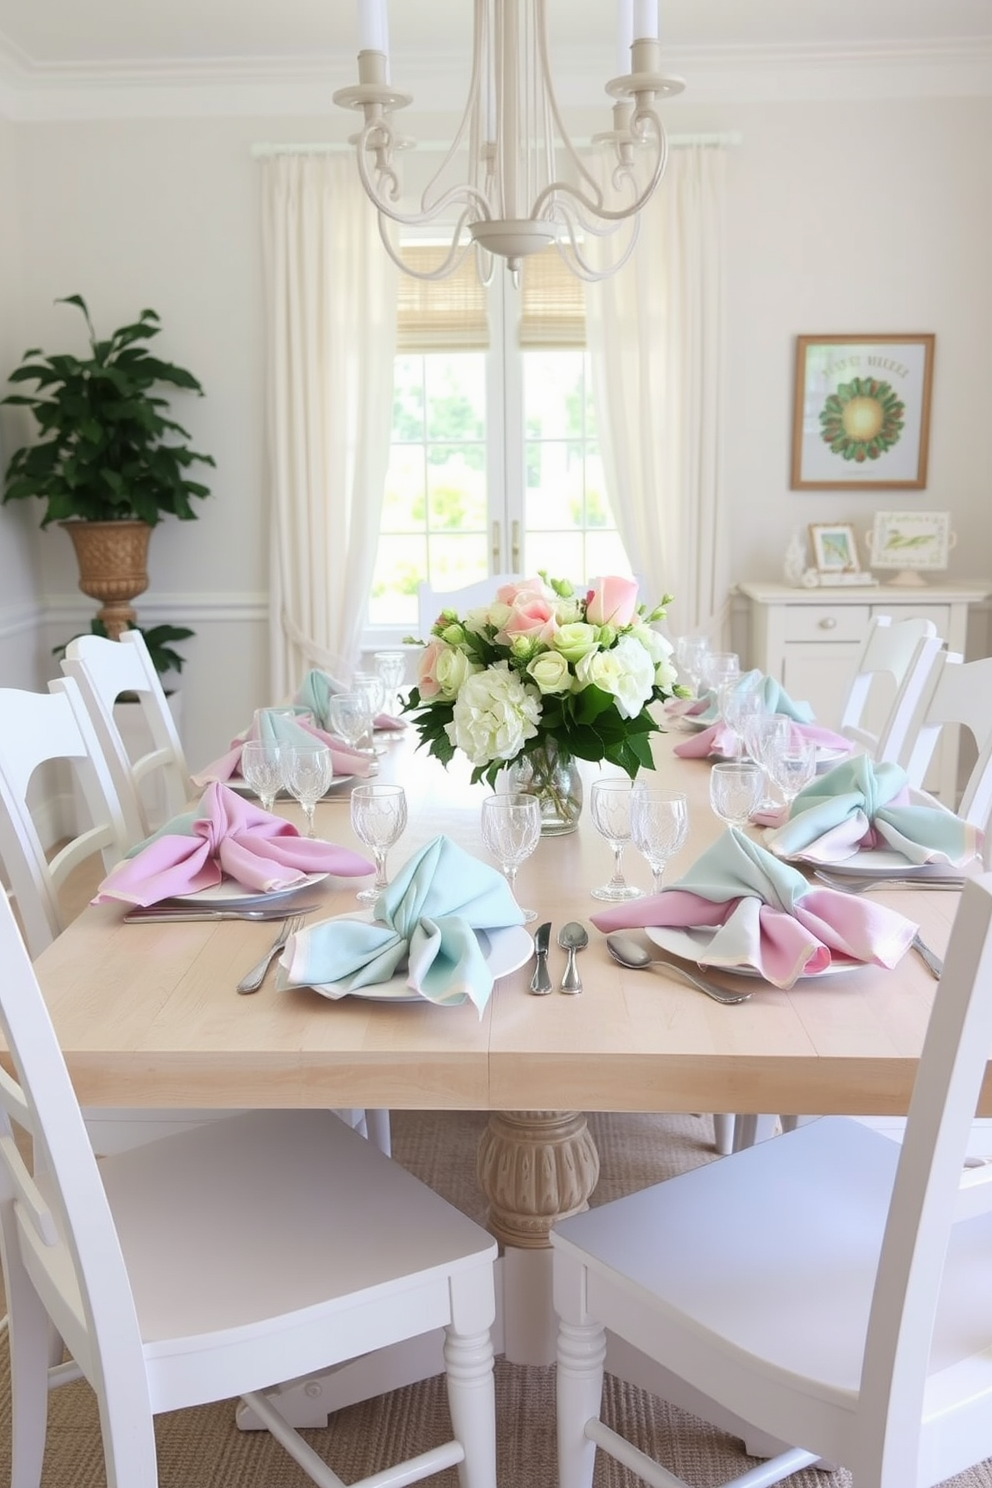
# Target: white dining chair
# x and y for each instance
(958, 695)
(219, 1263)
(430, 602)
(105, 669)
(889, 677)
(52, 730)
(829, 1287)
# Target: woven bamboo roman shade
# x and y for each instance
(452, 314)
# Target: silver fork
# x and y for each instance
(865, 885)
(253, 979)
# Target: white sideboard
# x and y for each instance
(809, 639)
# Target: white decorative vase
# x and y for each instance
(794, 565)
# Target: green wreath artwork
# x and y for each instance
(862, 419)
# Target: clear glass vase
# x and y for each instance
(553, 777)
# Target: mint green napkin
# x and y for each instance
(863, 805)
(774, 699)
(424, 922)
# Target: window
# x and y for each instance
(495, 464)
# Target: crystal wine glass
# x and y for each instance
(761, 734)
(349, 716)
(739, 699)
(735, 790)
(262, 769)
(511, 829)
(791, 763)
(691, 652)
(610, 803)
(391, 666)
(378, 816)
(309, 770)
(659, 825)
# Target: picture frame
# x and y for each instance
(911, 540)
(835, 547)
(861, 414)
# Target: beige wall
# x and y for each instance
(853, 217)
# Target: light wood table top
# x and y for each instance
(148, 1015)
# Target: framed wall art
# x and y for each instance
(835, 547)
(861, 418)
(911, 541)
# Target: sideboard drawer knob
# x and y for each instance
(828, 623)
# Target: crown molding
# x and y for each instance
(302, 87)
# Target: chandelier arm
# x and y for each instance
(452, 259)
(571, 250)
(559, 189)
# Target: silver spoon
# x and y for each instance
(572, 937)
(629, 953)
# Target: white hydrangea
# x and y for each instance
(626, 671)
(494, 715)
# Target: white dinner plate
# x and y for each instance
(241, 788)
(229, 894)
(690, 945)
(879, 862)
(827, 757)
(505, 950)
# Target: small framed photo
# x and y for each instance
(835, 547)
(861, 417)
(911, 540)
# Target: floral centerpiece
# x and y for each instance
(541, 677)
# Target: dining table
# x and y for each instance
(147, 1015)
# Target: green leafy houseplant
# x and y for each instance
(107, 452)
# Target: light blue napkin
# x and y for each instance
(774, 698)
(425, 920)
(859, 804)
(316, 691)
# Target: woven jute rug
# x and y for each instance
(203, 1448)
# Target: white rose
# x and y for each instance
(626, 671)
(550, 672)
(495, 614)
(660, 649)
(451, 669)
(494, 715)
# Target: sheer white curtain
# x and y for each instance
(331, 311)
(655, 334)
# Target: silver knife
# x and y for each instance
(154, 915)
(540, 982)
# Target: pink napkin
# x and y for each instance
(718, 739)
(760, 916)
(228, 767)
(226, 837)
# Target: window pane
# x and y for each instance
(458, 560)
(456, 491)
(400, 566)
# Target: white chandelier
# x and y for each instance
(512, 204)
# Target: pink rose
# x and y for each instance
(426, 670)
(612, 601)
(509, 593)
(532, 617)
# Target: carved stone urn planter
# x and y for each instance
(113, 567)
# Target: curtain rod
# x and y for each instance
(327, 148)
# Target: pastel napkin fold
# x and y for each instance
(774, 699)
(749, 909)
(286, 730)
(721, 741)
(316, 692)
(424, 921)
(859, 805)
(225, 837)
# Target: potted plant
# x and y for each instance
(110, 463)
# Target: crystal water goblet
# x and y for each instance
(761, 733)
(378, 816)
(308, 772)
(511, 829)
(391, 666)
(610, 806)
(735, 790)
(262, 769)
(349, 716)
(739, 698)
(659, 825)
(791, 764)
(372, 685)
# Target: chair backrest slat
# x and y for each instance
(103, 670)
(36, 728)
(896, 657)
